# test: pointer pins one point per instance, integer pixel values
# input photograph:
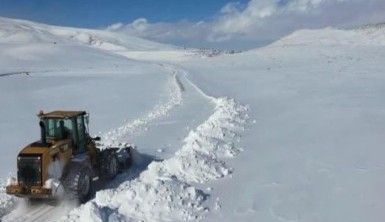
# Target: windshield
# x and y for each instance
(54, 130)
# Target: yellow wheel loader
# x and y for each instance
(66, 161)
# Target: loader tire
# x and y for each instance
(109, 165)
(78, 183)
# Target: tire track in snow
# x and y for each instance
(38, 212)
(14, 73)
(118, 136)
(24, 213)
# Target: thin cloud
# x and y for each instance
(259, 22)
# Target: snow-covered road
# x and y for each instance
(198, 160)
(314, 150)
(180, 144)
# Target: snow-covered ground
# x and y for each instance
(290, 132)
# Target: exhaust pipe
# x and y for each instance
(43, 139)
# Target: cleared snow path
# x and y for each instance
(166, 191)
(119, 136)
(47, 212)
(200, 159)
(24, 212)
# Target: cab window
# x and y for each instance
(53, 129)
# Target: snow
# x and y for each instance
(117, 136)
(7, 203)
(315, 152)
(55, 169)
(164, 191)
(369, 35)
(289, 132)
(69, 76)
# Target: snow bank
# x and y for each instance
(164, 191)
(199, 160)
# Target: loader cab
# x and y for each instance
(61, 125)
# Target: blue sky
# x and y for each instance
(99, 13)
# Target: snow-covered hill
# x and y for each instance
(367, 35)
(21, 31)
(29, 46)
(315, 152)
(311, 103)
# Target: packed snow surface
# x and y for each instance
(311, 103)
